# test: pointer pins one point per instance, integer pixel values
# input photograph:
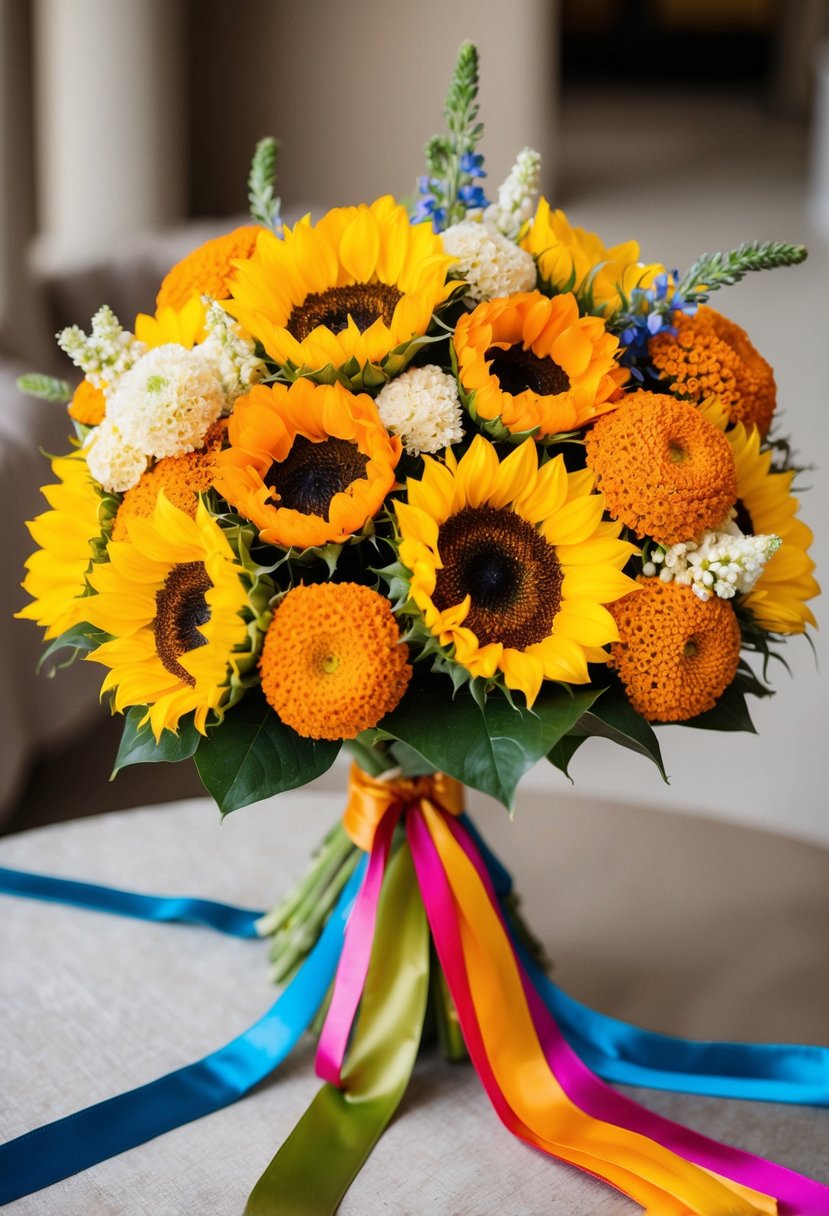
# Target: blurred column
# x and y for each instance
(110, 123)
(18, 324)
(819, 200)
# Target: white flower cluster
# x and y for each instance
(422, 407)
(117, 465)
(719, 563)
(230, 355)
(106, 353)
(516, 195)
(164, 405)
(491, 264)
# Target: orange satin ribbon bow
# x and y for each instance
(371, 798)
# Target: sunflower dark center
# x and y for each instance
(508, 570)
(517, 370)
(363, 302)
(180, 611)
(743, 518)
(312, 473)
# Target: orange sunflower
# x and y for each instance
(676, 653)
(534, 365)
(354, 293)
(333, 663)
(708, 355)
(308, 464)
(664, 469)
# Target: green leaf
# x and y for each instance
(80, 639)
(138, 745)
(563, 752)
(730, 713)
(253, 755)
(613, 717)
(488, 746)
(47, 388)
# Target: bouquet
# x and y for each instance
(456, 486)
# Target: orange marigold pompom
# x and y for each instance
(677, 653)
(206, 270)
(332, 663)
(182, 478)
(710, 354)
(88, 405)
(664, 470)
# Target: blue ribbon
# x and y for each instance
(67, 1146)
(238, 922)
(628, 1055)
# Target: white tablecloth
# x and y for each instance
(684, 925)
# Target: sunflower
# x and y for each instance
(308, 464)
(354, 292)
(66, 534)
(510, 565)
(664, 469)
(572, 259)
(182, 478)
(172, 599)
(333, 663)
(183, 326)
(537, 366)
(765, 504)
(206, 270)
(676, 653)
(709, 354)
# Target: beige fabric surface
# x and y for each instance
(681, 924)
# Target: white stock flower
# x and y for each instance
(718, 563)
(422, 407)
(230, 354)
(112, 462)
(491, 264)
(164, 405)
(104, 354)
(516, 195)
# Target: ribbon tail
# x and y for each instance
(508, 1055)
(354, 960)
(628, 1055)
(224, 918)
(65, 1147)
(325, 1151)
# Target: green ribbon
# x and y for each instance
(325, 1151)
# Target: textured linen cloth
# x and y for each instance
(680, 924)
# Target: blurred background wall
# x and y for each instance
(125, 136)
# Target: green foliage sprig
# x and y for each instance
(449, 191)
(47, 388)
(265, 207)
(714, 270)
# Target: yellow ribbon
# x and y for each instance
(663, 1182)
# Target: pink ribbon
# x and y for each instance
(352, 969)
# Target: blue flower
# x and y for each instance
(473, 196)
(472, 164)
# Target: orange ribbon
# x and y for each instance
(371, 798)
